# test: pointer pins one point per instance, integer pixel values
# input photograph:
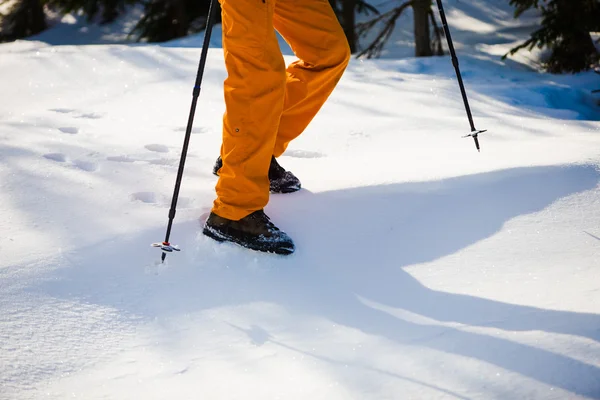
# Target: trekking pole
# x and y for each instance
(474, 132)
(165, 246)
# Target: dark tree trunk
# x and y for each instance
(26, 18)
(110, 11)
(349, 22)
(575, 53)
(421, 11)
(180, 21)
(38, 19)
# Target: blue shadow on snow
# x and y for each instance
(349, 268)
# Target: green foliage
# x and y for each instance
(24, 18)
(170, 19)
(107, 10)
(523, 5)
(27, 17)
(565, 30)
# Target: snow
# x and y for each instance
(424, 269)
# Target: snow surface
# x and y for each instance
(424, 269)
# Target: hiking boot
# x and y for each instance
(254, 231)
(281, 181)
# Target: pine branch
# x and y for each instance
(390, 17)
(565, 30)
(523, 5)
(362, 7)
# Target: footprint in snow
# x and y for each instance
(89, 166)
(303, 154)
(123, 159)
(144, 197)
(62, 110)
(90, 116)
(69, 129)
(58, 157)
(160, 200)
(159, 148)
(163, 161)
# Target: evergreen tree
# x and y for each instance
(24, 18)
(27, 17)
(170, 19)
(107, 10)
(565, 30)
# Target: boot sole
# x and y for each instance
(286, 190)
(220, 237)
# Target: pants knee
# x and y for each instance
(340, 52)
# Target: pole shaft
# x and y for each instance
(195, 94)
(455, 63)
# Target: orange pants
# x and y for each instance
(267, 104)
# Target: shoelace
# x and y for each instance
(262, 217)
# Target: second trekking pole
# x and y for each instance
(165, 246)
(474, 132)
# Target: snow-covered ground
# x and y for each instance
(424, 269)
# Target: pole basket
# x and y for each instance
(166, 247)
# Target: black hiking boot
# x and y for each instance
(281, 181)
(254, 231)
